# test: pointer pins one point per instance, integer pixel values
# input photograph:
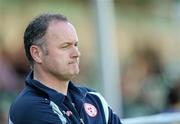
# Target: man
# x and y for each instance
(50, 97)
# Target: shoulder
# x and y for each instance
(93, 93)
(85, 89)
(110, 116)
(27, 98)
(90, 92)
(31, 108)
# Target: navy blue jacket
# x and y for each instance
(38, 104)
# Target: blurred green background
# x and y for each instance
(148, 43)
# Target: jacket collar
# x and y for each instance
(52, 94)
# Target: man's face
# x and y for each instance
(62, 60)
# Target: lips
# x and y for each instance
(73, 62)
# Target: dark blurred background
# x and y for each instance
(148, 39)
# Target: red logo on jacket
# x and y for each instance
(90, 109)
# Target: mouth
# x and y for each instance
(74, 62)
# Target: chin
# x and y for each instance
(75, 74)
(70, 77)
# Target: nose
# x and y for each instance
(75, 52)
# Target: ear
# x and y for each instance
(36, 53)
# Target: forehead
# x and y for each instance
(61, 31)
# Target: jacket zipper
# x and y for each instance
(75, 110)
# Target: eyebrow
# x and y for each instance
(70, 42)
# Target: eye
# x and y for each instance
(76, 44)
(65, 45)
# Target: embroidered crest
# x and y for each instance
(90, 109)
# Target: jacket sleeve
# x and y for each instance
(113, 118)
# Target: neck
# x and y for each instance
(51, 81)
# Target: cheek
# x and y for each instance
(58, 57)
(60, 60)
